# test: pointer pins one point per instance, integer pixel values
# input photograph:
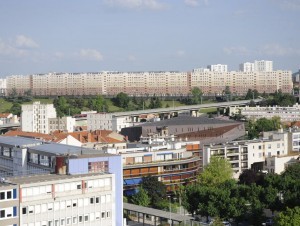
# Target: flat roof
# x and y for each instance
(157, 213)
(64, 149)
(31, 179)
(20, 141)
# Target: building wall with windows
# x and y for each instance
(34, 117)
(9, 204)
(65, 124)
(159, 83)
(87, 199)
(242, 155)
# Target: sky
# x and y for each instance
(146, 35)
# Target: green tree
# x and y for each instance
(292, 171)
(216, 172)
(289, 217)
(141, 198)
(196, 95)
(155, 189)
(16, 109)
(122, 100)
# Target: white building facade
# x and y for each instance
(263, 65)
(246, 67)
(218, 67)
(286, 114)
(65, 124)
(244, 155)
(35, 117)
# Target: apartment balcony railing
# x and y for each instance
(162, 162)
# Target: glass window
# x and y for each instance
(9, 195)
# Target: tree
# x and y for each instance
(248, 177)
(16, 109)
(216, 172)
(155, 189)
(141, 198)
(292, 171)
(289, 217)
(196, 95)
(122, 100)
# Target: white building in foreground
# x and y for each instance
(35, 117)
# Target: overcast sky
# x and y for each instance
(146, 35)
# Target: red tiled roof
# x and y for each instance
(4, 115)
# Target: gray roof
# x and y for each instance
(156, 212)
(187, 120)
(64, 149)
(47, 177)
(20, 141)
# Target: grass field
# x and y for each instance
(4, 105)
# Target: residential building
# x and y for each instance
(218, 67)
(108, 121)
(246, 67)
(263, 65)
(174, 163)
(249, 154)
(286, 114)
(278, 164)
(3, 87)
(8, 118)
(35, 117)
(9, 204)
(80, 169)
(211, 81)
(66, 124)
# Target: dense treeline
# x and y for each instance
(245, 200)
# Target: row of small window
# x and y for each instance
(97, 216)
(7, 213)
(8, 194)
(37, 209)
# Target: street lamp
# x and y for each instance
(170, 208)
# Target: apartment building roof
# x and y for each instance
(47, 177)
(187, 120)
(4, 115)
(20, 141)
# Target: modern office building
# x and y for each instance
(77, 175)
(9, 204)
(35, 117)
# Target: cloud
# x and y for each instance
(195, 3)
(288, 4)
(9, 50)
(180, 53)
(25, 42)
(136, 4)
(275, 49)
(91, 54)
(237, 50)
(131, 58)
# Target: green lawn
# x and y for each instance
(208, 110)
(4, 105)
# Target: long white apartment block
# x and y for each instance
(286, 114)
(250, 154)
(34, 117)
